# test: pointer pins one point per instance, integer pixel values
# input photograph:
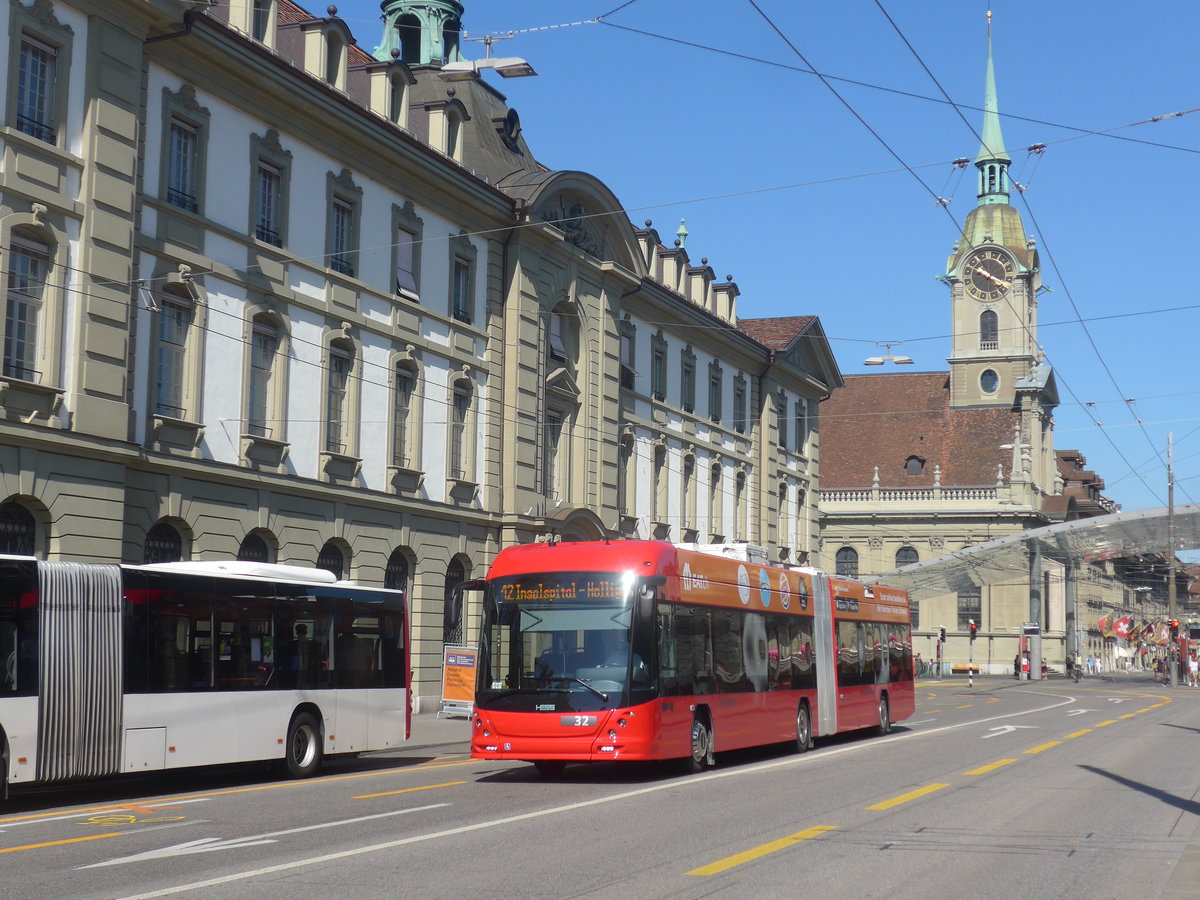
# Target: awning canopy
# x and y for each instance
(1006, 559)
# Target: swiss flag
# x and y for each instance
(1123, 627)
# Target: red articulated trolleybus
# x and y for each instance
(641, 650)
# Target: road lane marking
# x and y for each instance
(990, 767)
(40, 818)
(424, 787)
(90, 837)
(1080, 733)
(1127, 716)
(911, 795)
(965, 706)
(1105, 723)
(1040, 747)
(208, 845)
(746, 856)
(806, 759)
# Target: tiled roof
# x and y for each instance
(882, 420)
(289, 12)
(776, 333)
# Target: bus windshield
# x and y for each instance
(558, 641)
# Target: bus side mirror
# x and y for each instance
(648, 594)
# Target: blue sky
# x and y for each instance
(784, 188)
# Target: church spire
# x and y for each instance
(993, 160)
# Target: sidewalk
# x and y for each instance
(430, 731)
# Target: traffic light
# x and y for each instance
(973, 628)
(942, 634)
(1174, 623)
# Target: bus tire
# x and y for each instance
(804, 738)
(885, 716)
(549, 767)
(302, 752)
(701, 743)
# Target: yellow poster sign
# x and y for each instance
(458, 679)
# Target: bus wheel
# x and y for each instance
(885, 716)
(702, 750)
(549, 767)
(803, 729)
(303, 749)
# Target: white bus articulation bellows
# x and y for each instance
(107, 669)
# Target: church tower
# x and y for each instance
(994, 280)
(424, 32)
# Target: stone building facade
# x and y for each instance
(270, 296)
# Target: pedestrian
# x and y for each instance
(1017, 666)
(1091, 664)
(1193, 671)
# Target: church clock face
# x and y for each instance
(988, 274)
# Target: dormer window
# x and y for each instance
(334, 51)
(454, 135)
(914, 465)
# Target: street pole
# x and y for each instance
(1172, 611)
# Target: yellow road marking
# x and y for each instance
(426, 787)
(1080, 733)
(90, 837)
(990, 767)
(1040, 747)
(911, 795)
(930, 712)
(1147, 708)
(1127, 716)
(965, 706)
(746, 856)
(993, 699)
(1105, 723)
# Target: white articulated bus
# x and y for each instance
(107, 669)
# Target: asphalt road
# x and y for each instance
(998, 790)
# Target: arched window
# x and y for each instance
(408, 28)
(332, 559)
(395, 575)
(452, 626)
(254, 549)
(450, 40)
(163, 544)
(18, 530)
(846, 562)
(914, 465)
(989, 330)
(906, 556)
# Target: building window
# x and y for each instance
(254, 549)
(781, 517)
(271, 168)
(395, 573)
(781, 422)
(846, 562)
(163, 544)
(553, 445)
(658, 367)
(337, 387)
(989, 381)
(906, 556)
(687, 379)
(263, 15)
(182, 164)
(462, 278)
(625, 471)
(739, 404)
(452, 611)
(660, 484)
(460, 409)
(332, 559)
(344, 201)
(716, 525)
(628, 353)
(264, 344)
(28, 268)
(688, 498)
(406, 261)
(18, 530)
(801, 424)
(914, 610)
(403, 392)
(454, 134)
(174, 323)
(914, 465)
(716, 391)
(335, 49)
(267, 193)
(35, 90)
(970, 607)
(989, 330)
(739, 507)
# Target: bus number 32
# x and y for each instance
(583, 721)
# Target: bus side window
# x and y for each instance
(668, 675)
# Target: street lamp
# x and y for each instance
(888, 357)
